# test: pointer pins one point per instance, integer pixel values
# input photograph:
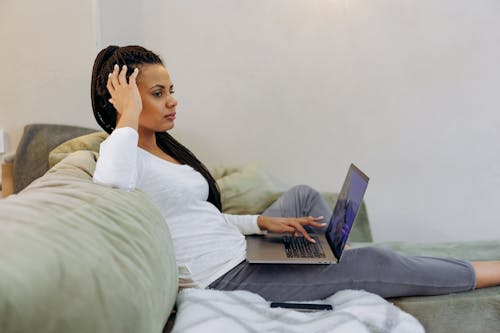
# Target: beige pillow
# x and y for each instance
(246, 190)
(85, 142)
(223, 171)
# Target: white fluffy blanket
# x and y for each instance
(202, 310)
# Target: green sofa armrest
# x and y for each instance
(76, 256)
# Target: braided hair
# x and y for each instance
(106, 114)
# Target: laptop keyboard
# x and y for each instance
(300, 247)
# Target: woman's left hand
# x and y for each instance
(290, 225)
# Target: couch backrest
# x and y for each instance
(31, 159)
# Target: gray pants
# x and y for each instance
(376, 270)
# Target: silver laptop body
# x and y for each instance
(276, 248)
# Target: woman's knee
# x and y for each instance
(377, 257)
(304, 191)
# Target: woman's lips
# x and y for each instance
(171, 116)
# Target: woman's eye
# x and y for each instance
(158, 94)
(172, 91)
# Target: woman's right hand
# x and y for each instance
(125, 96)
(291, 225)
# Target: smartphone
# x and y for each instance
(303, 307)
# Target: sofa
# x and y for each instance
(80, 257)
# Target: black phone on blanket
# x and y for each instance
(303, 307)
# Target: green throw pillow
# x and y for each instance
(246, 190)
(85, 142)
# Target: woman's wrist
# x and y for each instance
(129, 119)
(261, 222)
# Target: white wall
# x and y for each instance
(408, 90)
(48, 49)
(121, 22)
(46, 60)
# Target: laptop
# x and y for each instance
(284, 249)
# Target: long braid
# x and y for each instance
(105, 113)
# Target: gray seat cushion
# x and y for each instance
(472, 311)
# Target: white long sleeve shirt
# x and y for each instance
(207, 243)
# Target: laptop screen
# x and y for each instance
(346, 209)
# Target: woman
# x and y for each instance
(132, 99)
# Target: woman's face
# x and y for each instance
(158, 103)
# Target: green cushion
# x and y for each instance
(245, 190)
(89, 142)
(80, 257)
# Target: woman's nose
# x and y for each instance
(171, 102)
